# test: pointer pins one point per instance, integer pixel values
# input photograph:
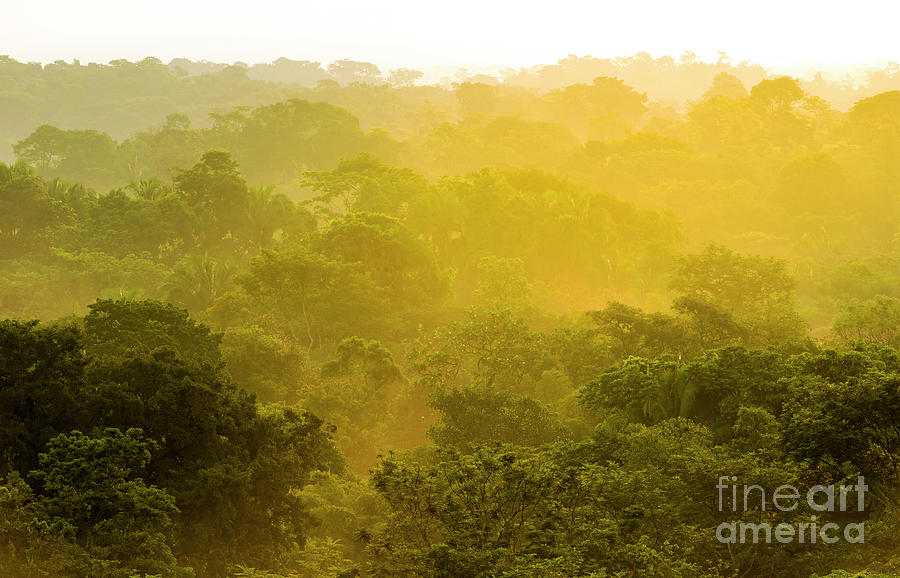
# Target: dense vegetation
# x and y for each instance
(349, 326)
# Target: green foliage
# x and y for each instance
(85, 155)
(116, 326)
(404, 267)
(477, 340)
(365, 184)
(635, 332)
(26, 209)
(198, 280)
(212, 472)
(757, 292)
(365, 394)
(493, 349)
(31, 546)
(92, 488)
(503, 285)
(714, 389)
(875, 321)
(370, 359)
(118, 225)
(310, 297)
(42, 377)
(265, 365)
(218, 194)
(477, 415)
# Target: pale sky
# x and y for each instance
(420, 33)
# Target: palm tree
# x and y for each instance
(149, 189)
(198, 280)
(267, 212)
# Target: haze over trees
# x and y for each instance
(295, 319)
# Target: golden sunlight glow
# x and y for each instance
(415, 33)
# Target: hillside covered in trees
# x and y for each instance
(293, 320)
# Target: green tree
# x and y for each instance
(94, 487)
(216, 191)
(119, 225)
(365, 184)
(31, 546)
(638, 333)
(404, 267)
(267, 213)
(268, 366)
(874, 320)
(198, 280)
(113, 327)
(26, 209)
(503, 286)
(472, 416)
(76, 155)
(756, 291)
(309, 297)
(41, 385)
(493, 349)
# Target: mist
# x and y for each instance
(381, 290)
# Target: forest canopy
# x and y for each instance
(295, 319)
